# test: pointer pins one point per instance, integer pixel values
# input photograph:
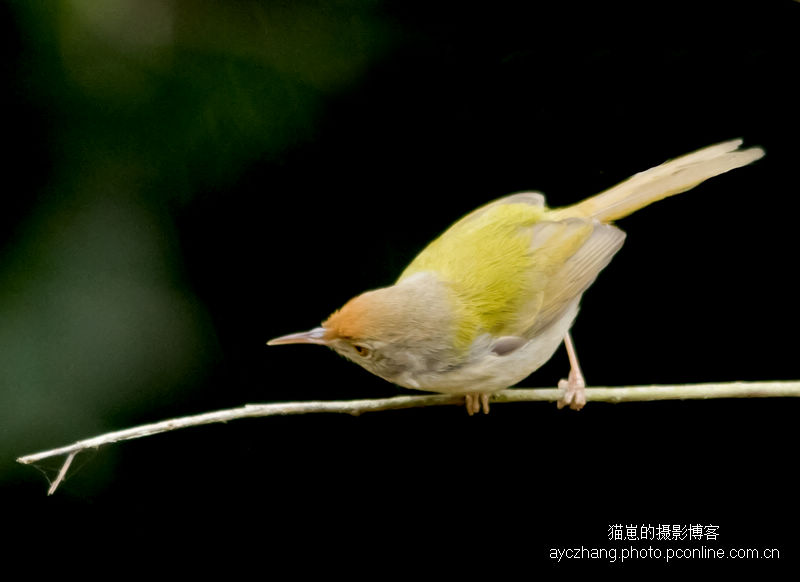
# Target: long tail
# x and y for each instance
(670, 178)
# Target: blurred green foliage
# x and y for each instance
(135, 106)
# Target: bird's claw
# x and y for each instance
(574, 388)
(474, 403)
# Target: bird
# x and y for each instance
(490, 300)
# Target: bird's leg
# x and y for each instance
(475, 402)
(485, 402)
(574, 386)
(471, 402)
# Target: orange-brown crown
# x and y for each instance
(369, 315)
(353, 320)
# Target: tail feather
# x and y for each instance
(670, 178)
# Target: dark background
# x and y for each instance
(187, 180)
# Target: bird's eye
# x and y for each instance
(362, 351)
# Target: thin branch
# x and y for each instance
(357, 407)
(62, 473)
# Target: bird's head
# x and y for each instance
(392, 332)
(354, 331)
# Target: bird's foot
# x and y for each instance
(574, 388)
(475, 402)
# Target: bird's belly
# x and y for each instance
(485, 376)
(490, 372)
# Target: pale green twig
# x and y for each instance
(356, 407)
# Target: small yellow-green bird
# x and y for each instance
(491, 299)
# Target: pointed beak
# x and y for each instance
(313, 336)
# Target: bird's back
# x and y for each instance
(499, 263)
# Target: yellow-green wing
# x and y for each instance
(499, 261)
(577, 273)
